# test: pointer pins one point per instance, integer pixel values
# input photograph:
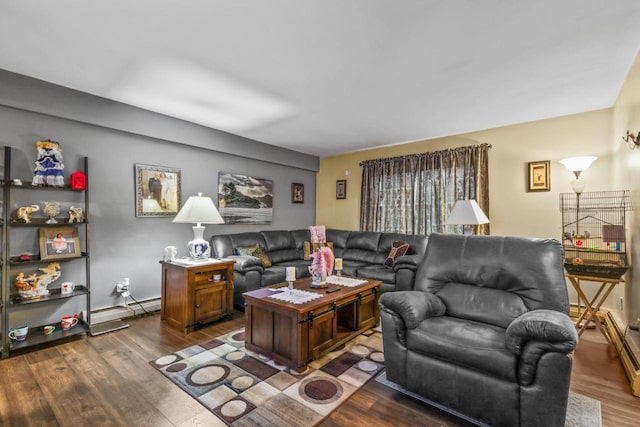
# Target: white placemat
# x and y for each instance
(295, 296)
(345, 281)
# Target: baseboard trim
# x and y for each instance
(121, 312)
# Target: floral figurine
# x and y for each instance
(322, 264)
(49, 167)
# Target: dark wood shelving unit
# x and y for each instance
(11, 262)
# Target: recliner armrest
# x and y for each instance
(410, 262)
(548, 326)
(536, 333)
(412, 306)
(246, 263)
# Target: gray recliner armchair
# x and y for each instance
(485, 333)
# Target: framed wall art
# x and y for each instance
(157, 190)
(243, 199)
(540, 176)
(297, 193)
(59, 242)
(341, 189)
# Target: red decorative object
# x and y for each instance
(78, 181)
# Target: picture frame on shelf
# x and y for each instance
(59, 242)
(158, 190)
(539, 176)
(297, 192)
(341, 189)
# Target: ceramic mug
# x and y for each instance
(48, 330)
(67, 287)
(19, 333)
(68, 322)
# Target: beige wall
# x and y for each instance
(625, 300)
(513, 210)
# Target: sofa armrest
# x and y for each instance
(246, 263)
(537, 333)
(410, 262)
(411, 306)
(551, 327)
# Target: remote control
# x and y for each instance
(332, 289)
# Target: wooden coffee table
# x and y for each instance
(296, 334)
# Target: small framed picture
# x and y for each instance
(540, 176)
(157, 191)
(341, 189)
(59, 242)
(297, 193)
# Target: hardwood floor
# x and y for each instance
(107, 380)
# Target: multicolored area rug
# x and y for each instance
(244, 388)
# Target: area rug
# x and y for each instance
(582, 411)
(244, 388)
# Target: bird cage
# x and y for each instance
(593, 233)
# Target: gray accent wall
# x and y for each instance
(115, 137)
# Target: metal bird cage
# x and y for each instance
(593, 233)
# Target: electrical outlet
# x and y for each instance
(123, 286)
(621, 303)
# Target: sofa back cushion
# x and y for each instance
(339, 239)
(280, 246)
(363, 246)
(224, 245)
(503, 275)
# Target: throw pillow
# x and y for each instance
(397, 250)
(256, 251)
(318, 234)
(310, 248)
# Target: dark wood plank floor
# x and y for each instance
(107, 380)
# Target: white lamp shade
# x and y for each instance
(578, 164)
(467, 212)
(199, 209)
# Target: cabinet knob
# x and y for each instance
(197, 305)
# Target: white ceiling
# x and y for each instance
(332, 76)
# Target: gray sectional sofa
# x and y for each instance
(363, 255)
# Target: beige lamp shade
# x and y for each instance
(199, 210)
(467, 212)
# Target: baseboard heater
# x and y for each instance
(627, 352)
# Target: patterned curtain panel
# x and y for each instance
(413, 194)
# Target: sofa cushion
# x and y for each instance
(278, 240)
(310, 248)
(398, 249)
(486, 305)
(273, 275)
(256, 251)
(466, 343)
(377, 272)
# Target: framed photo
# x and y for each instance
(59, 242)
(341, 189)
(244, 199)
(540, 176)
(297, 193)
(157, 190)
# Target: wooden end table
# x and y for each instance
(296, 334)
(191, 296)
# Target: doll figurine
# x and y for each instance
(49, 167)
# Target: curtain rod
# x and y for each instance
(483, 145)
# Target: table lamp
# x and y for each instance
(199, 210)
(467, 213)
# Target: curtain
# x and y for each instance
(413, 194)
